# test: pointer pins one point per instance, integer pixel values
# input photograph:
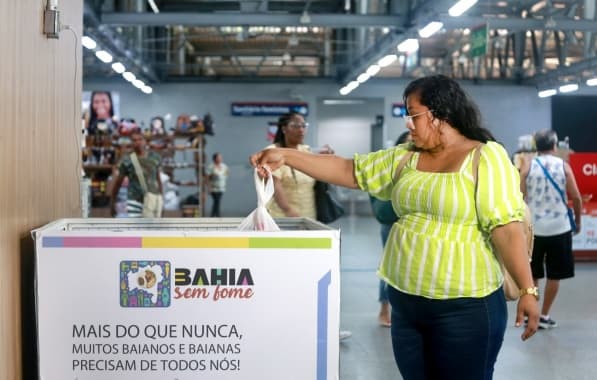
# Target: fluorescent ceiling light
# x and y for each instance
(430, 29)
(538, 6)
(571, 87)
(129, 76)
(387, 60)
(154, 7)
(138, 83)
(408, 46)
(461, 7)
(547, 93)
(352, 85)
(349, 88)
(147, 89)
(373, 70)
(88, 42)
(592, 82)
(363, 78)
(340, 102)
(118, 67)
(104, 56)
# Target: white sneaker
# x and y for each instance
(345, 334)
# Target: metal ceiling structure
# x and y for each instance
(528, 41)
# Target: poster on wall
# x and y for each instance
(586, 240)
(584, 166)
(158, 304)
(267, 108)
(100, 115)
(86, 97)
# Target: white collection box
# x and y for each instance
(187, 299)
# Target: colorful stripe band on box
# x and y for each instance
(185, 242)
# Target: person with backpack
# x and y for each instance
(385, 215)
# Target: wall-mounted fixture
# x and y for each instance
(52, 19)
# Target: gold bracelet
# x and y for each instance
(534, 291)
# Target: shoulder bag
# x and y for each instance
(327, 207)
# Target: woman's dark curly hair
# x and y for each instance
(282, 121)
(448, 102)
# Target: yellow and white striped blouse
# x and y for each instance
(439, 248)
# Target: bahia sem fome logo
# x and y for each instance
(145, 283)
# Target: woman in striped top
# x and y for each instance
(448, 308)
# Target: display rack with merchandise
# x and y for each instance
(190, 148)
(179, 150)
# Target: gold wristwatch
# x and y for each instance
(534, 291)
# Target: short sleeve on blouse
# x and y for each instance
(499, 199)
(375, 171)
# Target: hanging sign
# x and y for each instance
(479, 41)
(267, 108)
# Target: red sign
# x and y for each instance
(584, 166)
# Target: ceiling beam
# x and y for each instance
(336, 20)
(389, 41)
(573, 69)
(247, 19)
(519, 24)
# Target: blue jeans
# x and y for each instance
(383, 287)
(447, 339)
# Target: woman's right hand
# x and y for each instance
(272, 158)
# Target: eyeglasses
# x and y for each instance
(409, 118)
(298, 125)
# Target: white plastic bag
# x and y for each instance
(260, 219)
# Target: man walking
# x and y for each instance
(142, 169)
(545, 180)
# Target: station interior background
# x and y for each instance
(200, 56)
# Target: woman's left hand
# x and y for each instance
(527, 307)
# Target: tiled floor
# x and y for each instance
(566, 352)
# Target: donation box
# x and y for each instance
(187, 299)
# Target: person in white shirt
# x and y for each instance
(545, 180)
(217, 173)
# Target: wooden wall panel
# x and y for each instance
(40, 107)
